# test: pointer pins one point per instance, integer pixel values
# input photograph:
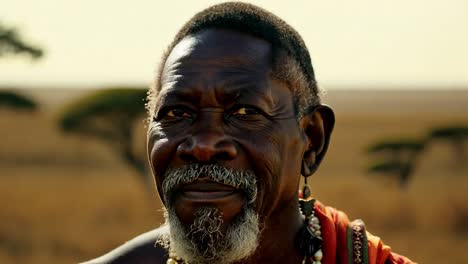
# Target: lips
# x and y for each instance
(205, 190)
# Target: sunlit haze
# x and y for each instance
(363, 43)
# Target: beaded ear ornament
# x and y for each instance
(309, 238)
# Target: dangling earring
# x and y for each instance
(310, 236)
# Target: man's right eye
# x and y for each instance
(175, 114)
(178, 113)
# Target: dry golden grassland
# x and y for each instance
(66, 199)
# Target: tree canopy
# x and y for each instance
(449, 132)
(14, 100)
(110, 115)
(396, 145)
(119, 103)
(11, 42)
(400, 169)
(457, 136)
(399, 157)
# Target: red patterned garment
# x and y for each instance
(347, 242)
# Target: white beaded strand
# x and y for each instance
(314, 225)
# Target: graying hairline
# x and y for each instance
(287, 69)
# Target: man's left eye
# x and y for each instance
(245, 111)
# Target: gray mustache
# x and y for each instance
(244, 180)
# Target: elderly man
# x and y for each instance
(235, 120)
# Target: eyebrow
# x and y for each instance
(236, 92)
(178, 95)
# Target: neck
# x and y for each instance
(277, 241)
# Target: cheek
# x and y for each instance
(160, 151)
(158, 157)
(291, 169)
(279, 157)
(263, 152)
(288, 168)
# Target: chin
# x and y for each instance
(204, 239)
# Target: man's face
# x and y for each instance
(219, 105)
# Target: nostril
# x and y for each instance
(185, 151)
(226, 150)
(223, 156)
(206, 149)
(187, 157)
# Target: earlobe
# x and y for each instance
(309, 164)
(305, 170)
(318, 126)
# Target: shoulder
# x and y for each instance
(351, 241)
(140, 250)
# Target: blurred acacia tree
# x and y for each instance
(398, 158)
(12, 43)
(110, 115)
(16, 101)
(457, 136)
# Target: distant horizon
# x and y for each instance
(342, 100)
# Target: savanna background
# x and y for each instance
(73, 176)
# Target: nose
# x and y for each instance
(207, 146)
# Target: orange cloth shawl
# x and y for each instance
(349, 243)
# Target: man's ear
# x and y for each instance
(317, 126)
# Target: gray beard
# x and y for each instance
(203, 241)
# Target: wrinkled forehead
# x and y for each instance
(219, 48)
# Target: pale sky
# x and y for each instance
(359, 43)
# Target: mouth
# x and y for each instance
(204, 190)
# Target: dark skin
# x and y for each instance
(220, 104)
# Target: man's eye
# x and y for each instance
(245, 111)
(178, 113)
(174, 113)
